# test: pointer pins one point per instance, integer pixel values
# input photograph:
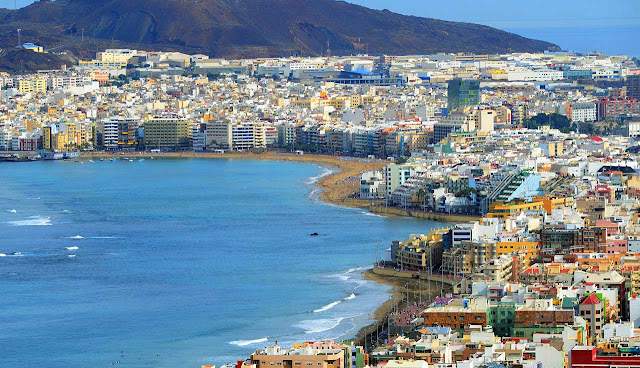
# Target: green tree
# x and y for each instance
(421, 196)
(555, 121)
(401, 160)
(467, 192)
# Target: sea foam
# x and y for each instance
(327, 307)
(333, 304)
(248, 342)
(314, 179)
(311, 326)
(32, 221)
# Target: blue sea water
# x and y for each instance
(178, 263)
(611, 39)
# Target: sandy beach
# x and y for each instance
(397, 296)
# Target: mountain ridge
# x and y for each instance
(250, 28)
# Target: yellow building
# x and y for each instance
(419, 252)
(635, 282)
(528, 250)
(368, 100)
(46, 138)
(32, 47)
(58, 141)
(36, 85)
(116, 56)
(309, 103)
(356, 101)
(72, 136)
(165, 132)
(505, 210)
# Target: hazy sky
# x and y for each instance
(510, 13)
(611, 26)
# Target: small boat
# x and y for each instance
(314, 234)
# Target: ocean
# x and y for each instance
(611, 39)
(178, 262)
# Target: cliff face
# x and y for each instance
(234, 28)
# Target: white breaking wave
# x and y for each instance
(327, 307)
(76, 237)
(71, 255)
(352, 270)
(2, 255)
(311, 326)
(333, 304)
(313, 193)
(12, 211)
(314, 179)
(32, 221)
(371, 214)
(71, 248)
(248, 342)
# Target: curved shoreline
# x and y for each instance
(334, 186)
(333, 189)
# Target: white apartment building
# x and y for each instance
(62, 82)
(396, 175)
(248, 135)
(6, 136)
(583, 112)
(112, 128)
(527, 75)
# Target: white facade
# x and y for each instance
(526, 75)
(583, 112)
(634, 129)
(248, 135)
(396, 175)
(372, 185)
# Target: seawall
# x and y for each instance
(435, 216)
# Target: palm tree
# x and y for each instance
(421, 197)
